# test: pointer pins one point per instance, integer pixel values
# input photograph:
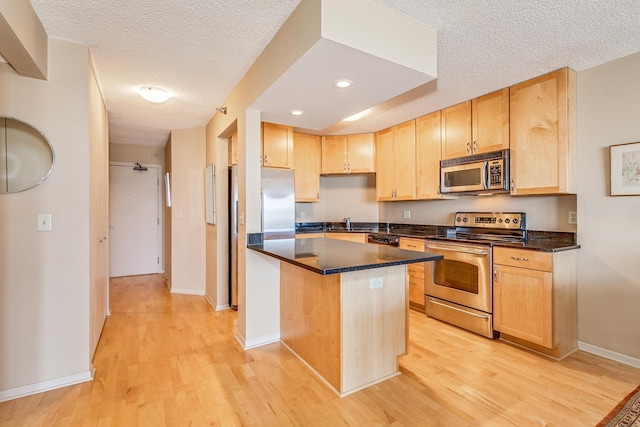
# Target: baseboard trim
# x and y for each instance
(259, 342)
(186, 292)
(41, 387)
(213, 304)
(609, 354)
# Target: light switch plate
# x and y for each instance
(44, 222)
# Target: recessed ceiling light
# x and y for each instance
(356, 116)
(154, 94)
(343, 83)
(296, 112)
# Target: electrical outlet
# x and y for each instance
(375, 283)
(303, 214)
(406, 214)
(573, 217)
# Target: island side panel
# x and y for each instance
(374, 325)
(310, 319)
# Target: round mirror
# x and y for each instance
(26, 157)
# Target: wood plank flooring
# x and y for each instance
(170, 360)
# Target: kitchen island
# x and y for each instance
(344, 307)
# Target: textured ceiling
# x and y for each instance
(200, 49)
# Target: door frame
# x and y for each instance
(159, 174)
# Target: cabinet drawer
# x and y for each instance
(535, 260)
(412, 244)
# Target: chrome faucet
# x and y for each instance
(348, 222)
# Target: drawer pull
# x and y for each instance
(517, 258)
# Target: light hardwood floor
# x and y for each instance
(171, 360)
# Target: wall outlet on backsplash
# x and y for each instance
(303, 214)
(573, 217)
(406, 214)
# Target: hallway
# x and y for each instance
(168, 359)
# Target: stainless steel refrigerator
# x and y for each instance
(278, 204)
(278, 215)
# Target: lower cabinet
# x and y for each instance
(351, 237)
(535, 299)
(416, 273)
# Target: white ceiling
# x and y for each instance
(200, 49)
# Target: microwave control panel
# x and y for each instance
(496, 173)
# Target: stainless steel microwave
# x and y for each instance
(476, 174)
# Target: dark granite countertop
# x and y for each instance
(546, 241)
(330, 256)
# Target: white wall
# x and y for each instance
(188, 237)
(44, 276)
(342, 196)
(609, 227)
(548, 213)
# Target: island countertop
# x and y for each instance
(331, 256)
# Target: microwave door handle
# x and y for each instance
(485, 175)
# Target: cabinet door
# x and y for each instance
(405, 161)
(306, 160)
(416, 285)
(542, 128)
(428, 156)
(490, 122)
(277, 146)
(523, 306)
(334, 154)
(233, 149)
(456, 131)
(385, 169)
(361, 153)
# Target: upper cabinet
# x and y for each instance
(344, 154)
(428, 147)
(233, 149)
(456, 131)
(543, 135)
(306, 158)
(277, 146)
(477, 126)
(395, 162)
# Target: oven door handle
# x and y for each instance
(473, 251)
(458, 309)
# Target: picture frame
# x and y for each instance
(625, 169)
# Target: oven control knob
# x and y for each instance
(515, 220)
(500, 221)
(464, 219)
(507, 221)
(458, 219)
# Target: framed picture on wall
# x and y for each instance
(625, 169)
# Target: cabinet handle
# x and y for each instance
(495, 274)
(517, 258)
(468, 147)
(265, 159)
(344, 167)
(349, 167)
(317, 196)
(513, 185)
(475, 146)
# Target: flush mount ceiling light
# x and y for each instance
(343, 83)
(154, 94)
(356, 116)
(296, 112)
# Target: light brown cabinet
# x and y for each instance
(233, 149)
(477, 126)
(416, 273)
(428, 155)
(543, 134)
(345, 154)
(277, 146)
(306, 160)
(535, 300)
(350, 237)
(395, 162)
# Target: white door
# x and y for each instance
(134, 220)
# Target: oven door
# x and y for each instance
(462, 277)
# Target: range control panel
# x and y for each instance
(502, 220)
